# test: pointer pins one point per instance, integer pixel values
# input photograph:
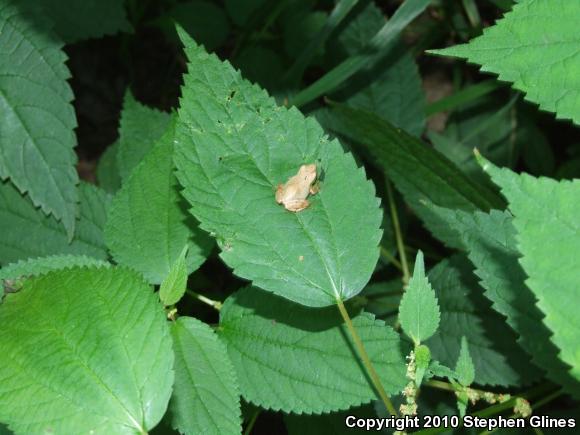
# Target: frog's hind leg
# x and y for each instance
(297, 205)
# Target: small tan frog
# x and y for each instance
(293, 194)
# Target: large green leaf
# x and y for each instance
(490, 240)
(419, 172)
(233, 146)
(28, 233)
(391, 88)
(37, 118)
(465, 312)
(205, 398)
(75, 20)
(548, 237)
(140, 128)
(148, 225)
(84, 350)
(299, 359)
(535, 46)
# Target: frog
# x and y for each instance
(293, 194)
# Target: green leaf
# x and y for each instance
(391, 88)
(465, 312)
(148, 225)
(37, 118)
(299, 359)
(548, 237)
(75, 21)
(464, 368)
(484, 125)
(490, 240)
(233, 147)
(84, 349)
(419, 312)
(543, 64)
(43, 265)
(107, 170)
(28, 233)
(204, 21)
(205, 399)
(422, 358)
(140, 128)
(419, 172)
(439, 370)
(173, 285)
(379, 47)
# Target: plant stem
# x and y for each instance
(398, 234)
(365, 358)
(214, 304)
(500, 407)
(252, 422)
(389, 257)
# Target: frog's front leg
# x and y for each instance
(296, 205)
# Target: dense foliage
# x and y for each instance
(167, 267)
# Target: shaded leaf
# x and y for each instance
(148, 226)
(391, 88)
(28, 233)
(107, 329)
(37, 118)
(548, 237)
(108, 176)
(140, 128)
(490, 240)
(299, 359)
(328, 424)
(205, 398)
(465, 312)
(77, 20)
(204, 21)
(419, 172)
(378, 47)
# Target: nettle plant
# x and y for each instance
(104, 325)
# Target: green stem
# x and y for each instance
(536, 405)
(398, 234)
(390, 258)
(214, 304)
(252, 422)
(500, 407)
(365, 358)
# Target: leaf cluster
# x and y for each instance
(156, 283)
